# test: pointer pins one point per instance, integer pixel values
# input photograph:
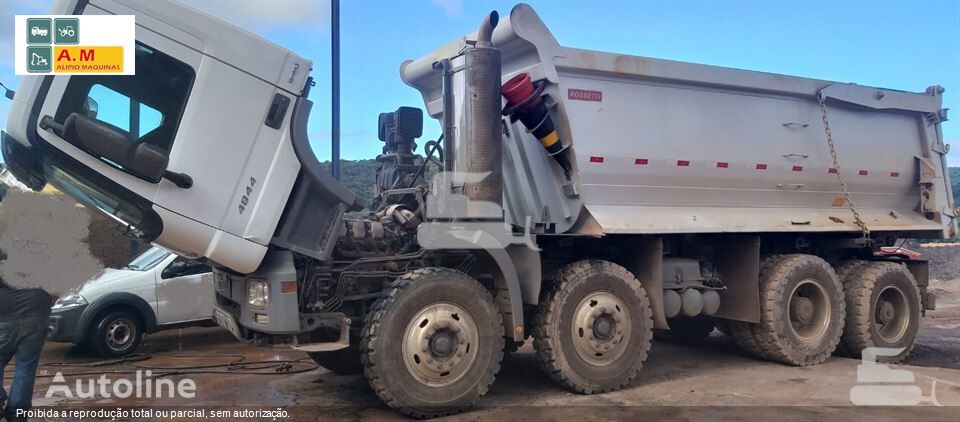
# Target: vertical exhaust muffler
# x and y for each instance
(481, 131)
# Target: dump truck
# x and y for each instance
(582, 198)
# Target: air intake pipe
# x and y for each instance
(525, 103)
(482, 113)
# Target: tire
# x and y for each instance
(118, 333)
(686, 330)
(801, 312)
(845, 269)
(883, 310)
(586, 298)
(340, 362)
(432, 345)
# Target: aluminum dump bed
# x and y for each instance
(663, 146)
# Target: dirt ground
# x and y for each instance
(709, 381)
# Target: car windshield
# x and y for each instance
(148, 259)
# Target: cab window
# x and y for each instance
(181, 267)
(148, 106)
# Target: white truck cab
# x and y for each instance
(157, 290)
(223, 196)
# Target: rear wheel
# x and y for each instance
(593, 327)
(883, 310)
(801, 313)
(433, 344)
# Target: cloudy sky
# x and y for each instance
(907, 45)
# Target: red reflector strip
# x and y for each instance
(863, 172)
(761, 166)
(641, 161)
(722, 165)
(288, 287)
(683, 163)
(832, 171)
(594, 159)
(797, 168)
(894, 174)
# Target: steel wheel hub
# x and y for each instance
(892, 314)
(120, 334)
(601, 328)
(440, 344)
(809, 310)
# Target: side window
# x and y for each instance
(147, 106)
(181, 267)
(109, 106)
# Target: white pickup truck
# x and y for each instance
(156, 291)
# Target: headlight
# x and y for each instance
(69, 301)
(258, 294)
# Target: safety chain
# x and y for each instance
(836, 165)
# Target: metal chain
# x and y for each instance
(836, 165)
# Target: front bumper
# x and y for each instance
(64, 325)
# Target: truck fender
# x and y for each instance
(512, 262)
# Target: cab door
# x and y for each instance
(145, 110)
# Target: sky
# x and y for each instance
(904, 45)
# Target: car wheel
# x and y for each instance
(117, 333)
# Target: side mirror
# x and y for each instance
(114, 144)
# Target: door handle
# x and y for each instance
(182, 180)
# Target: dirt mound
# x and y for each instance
(944, 258)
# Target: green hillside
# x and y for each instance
(955, 179)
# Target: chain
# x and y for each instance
(836, 165)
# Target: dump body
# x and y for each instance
(670, 147)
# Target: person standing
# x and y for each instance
(23, 330)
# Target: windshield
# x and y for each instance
(148, 259)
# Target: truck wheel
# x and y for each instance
(433, 344)
(593, 328)
(340, 362)
(686, 330)
(845, 270)
(801, 312)
(116, 334)
(883, 310)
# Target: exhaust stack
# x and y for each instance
(481, 132)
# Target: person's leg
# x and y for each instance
(33, 332)
(9, 332)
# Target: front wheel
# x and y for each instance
(433, 344)
(116, 334)
(593, 328)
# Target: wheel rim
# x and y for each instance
(120, 334)
(809, 310)
(601, 328)
(440, 344)
(891, 314)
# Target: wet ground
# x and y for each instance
(709, 381)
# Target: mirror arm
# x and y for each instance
(182, 180)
